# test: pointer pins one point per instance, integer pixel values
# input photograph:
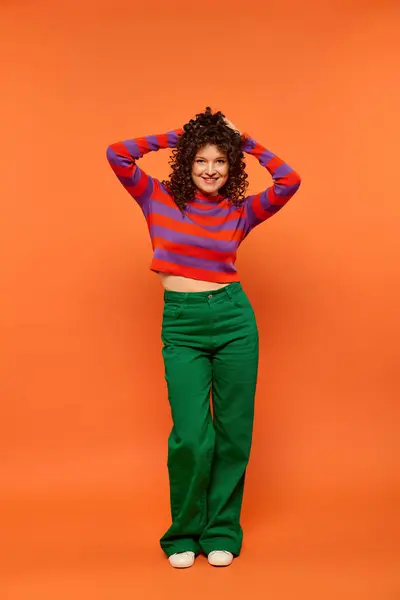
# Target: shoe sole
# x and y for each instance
(219, 565)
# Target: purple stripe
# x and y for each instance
(117, 159)
(285, 190)
(224, 207)
(284, 169)
(130, 182)
(146, 209)
(221, 210)
(174, 213)
(265, 157)
(194, 261)
(266, 204)
(146, 194)
(251, 218)
(111, 156)
(191, 240)
(249, 145)
(216, 210)
(172, 138)
(154, 144)
(134, 179)
(132, 148)
(163, 189)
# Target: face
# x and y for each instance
(210, 169)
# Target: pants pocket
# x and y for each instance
(172, 311)
(240, 300)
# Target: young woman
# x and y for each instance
(197, 219)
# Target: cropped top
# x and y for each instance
(203, 243)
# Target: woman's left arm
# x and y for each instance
(286, 182)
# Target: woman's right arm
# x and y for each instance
(122, 157)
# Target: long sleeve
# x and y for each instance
(286, 182)
(122, 157)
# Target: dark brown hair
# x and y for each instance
(207, 128)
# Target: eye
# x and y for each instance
(221, 160)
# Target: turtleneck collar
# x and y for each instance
(199, 195)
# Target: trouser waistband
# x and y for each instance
(228, 290)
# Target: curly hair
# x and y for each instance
(207, 128)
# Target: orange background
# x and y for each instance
(85, 417)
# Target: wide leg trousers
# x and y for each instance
(210, 344)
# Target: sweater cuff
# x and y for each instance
(250, 142)
(173, 137)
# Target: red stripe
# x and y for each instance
(213, 220)
(273, 198)
(292, 178)
(192, 272)
(126, 171)
(206, 207)
(162, 197)
(257, 150)
(186, 250)
(192, 229)
(120, 148)
(143, 145)
(274, 163)
(140, 186)
(162, 139)
(259, 210)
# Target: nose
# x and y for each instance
(210, 169)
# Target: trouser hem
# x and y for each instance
(183, 548)
(220, 545)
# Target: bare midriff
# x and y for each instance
(176, 283)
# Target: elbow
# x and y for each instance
(110, 154)
(297, 180)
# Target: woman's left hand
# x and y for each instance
(231, 125)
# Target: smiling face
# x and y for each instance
(210, 169)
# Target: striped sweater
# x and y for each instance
(202, 244)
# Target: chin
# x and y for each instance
(205, 189)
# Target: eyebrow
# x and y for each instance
(218, 157)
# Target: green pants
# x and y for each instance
(210, 345)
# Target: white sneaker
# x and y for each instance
(181, 560)
(220, 558)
